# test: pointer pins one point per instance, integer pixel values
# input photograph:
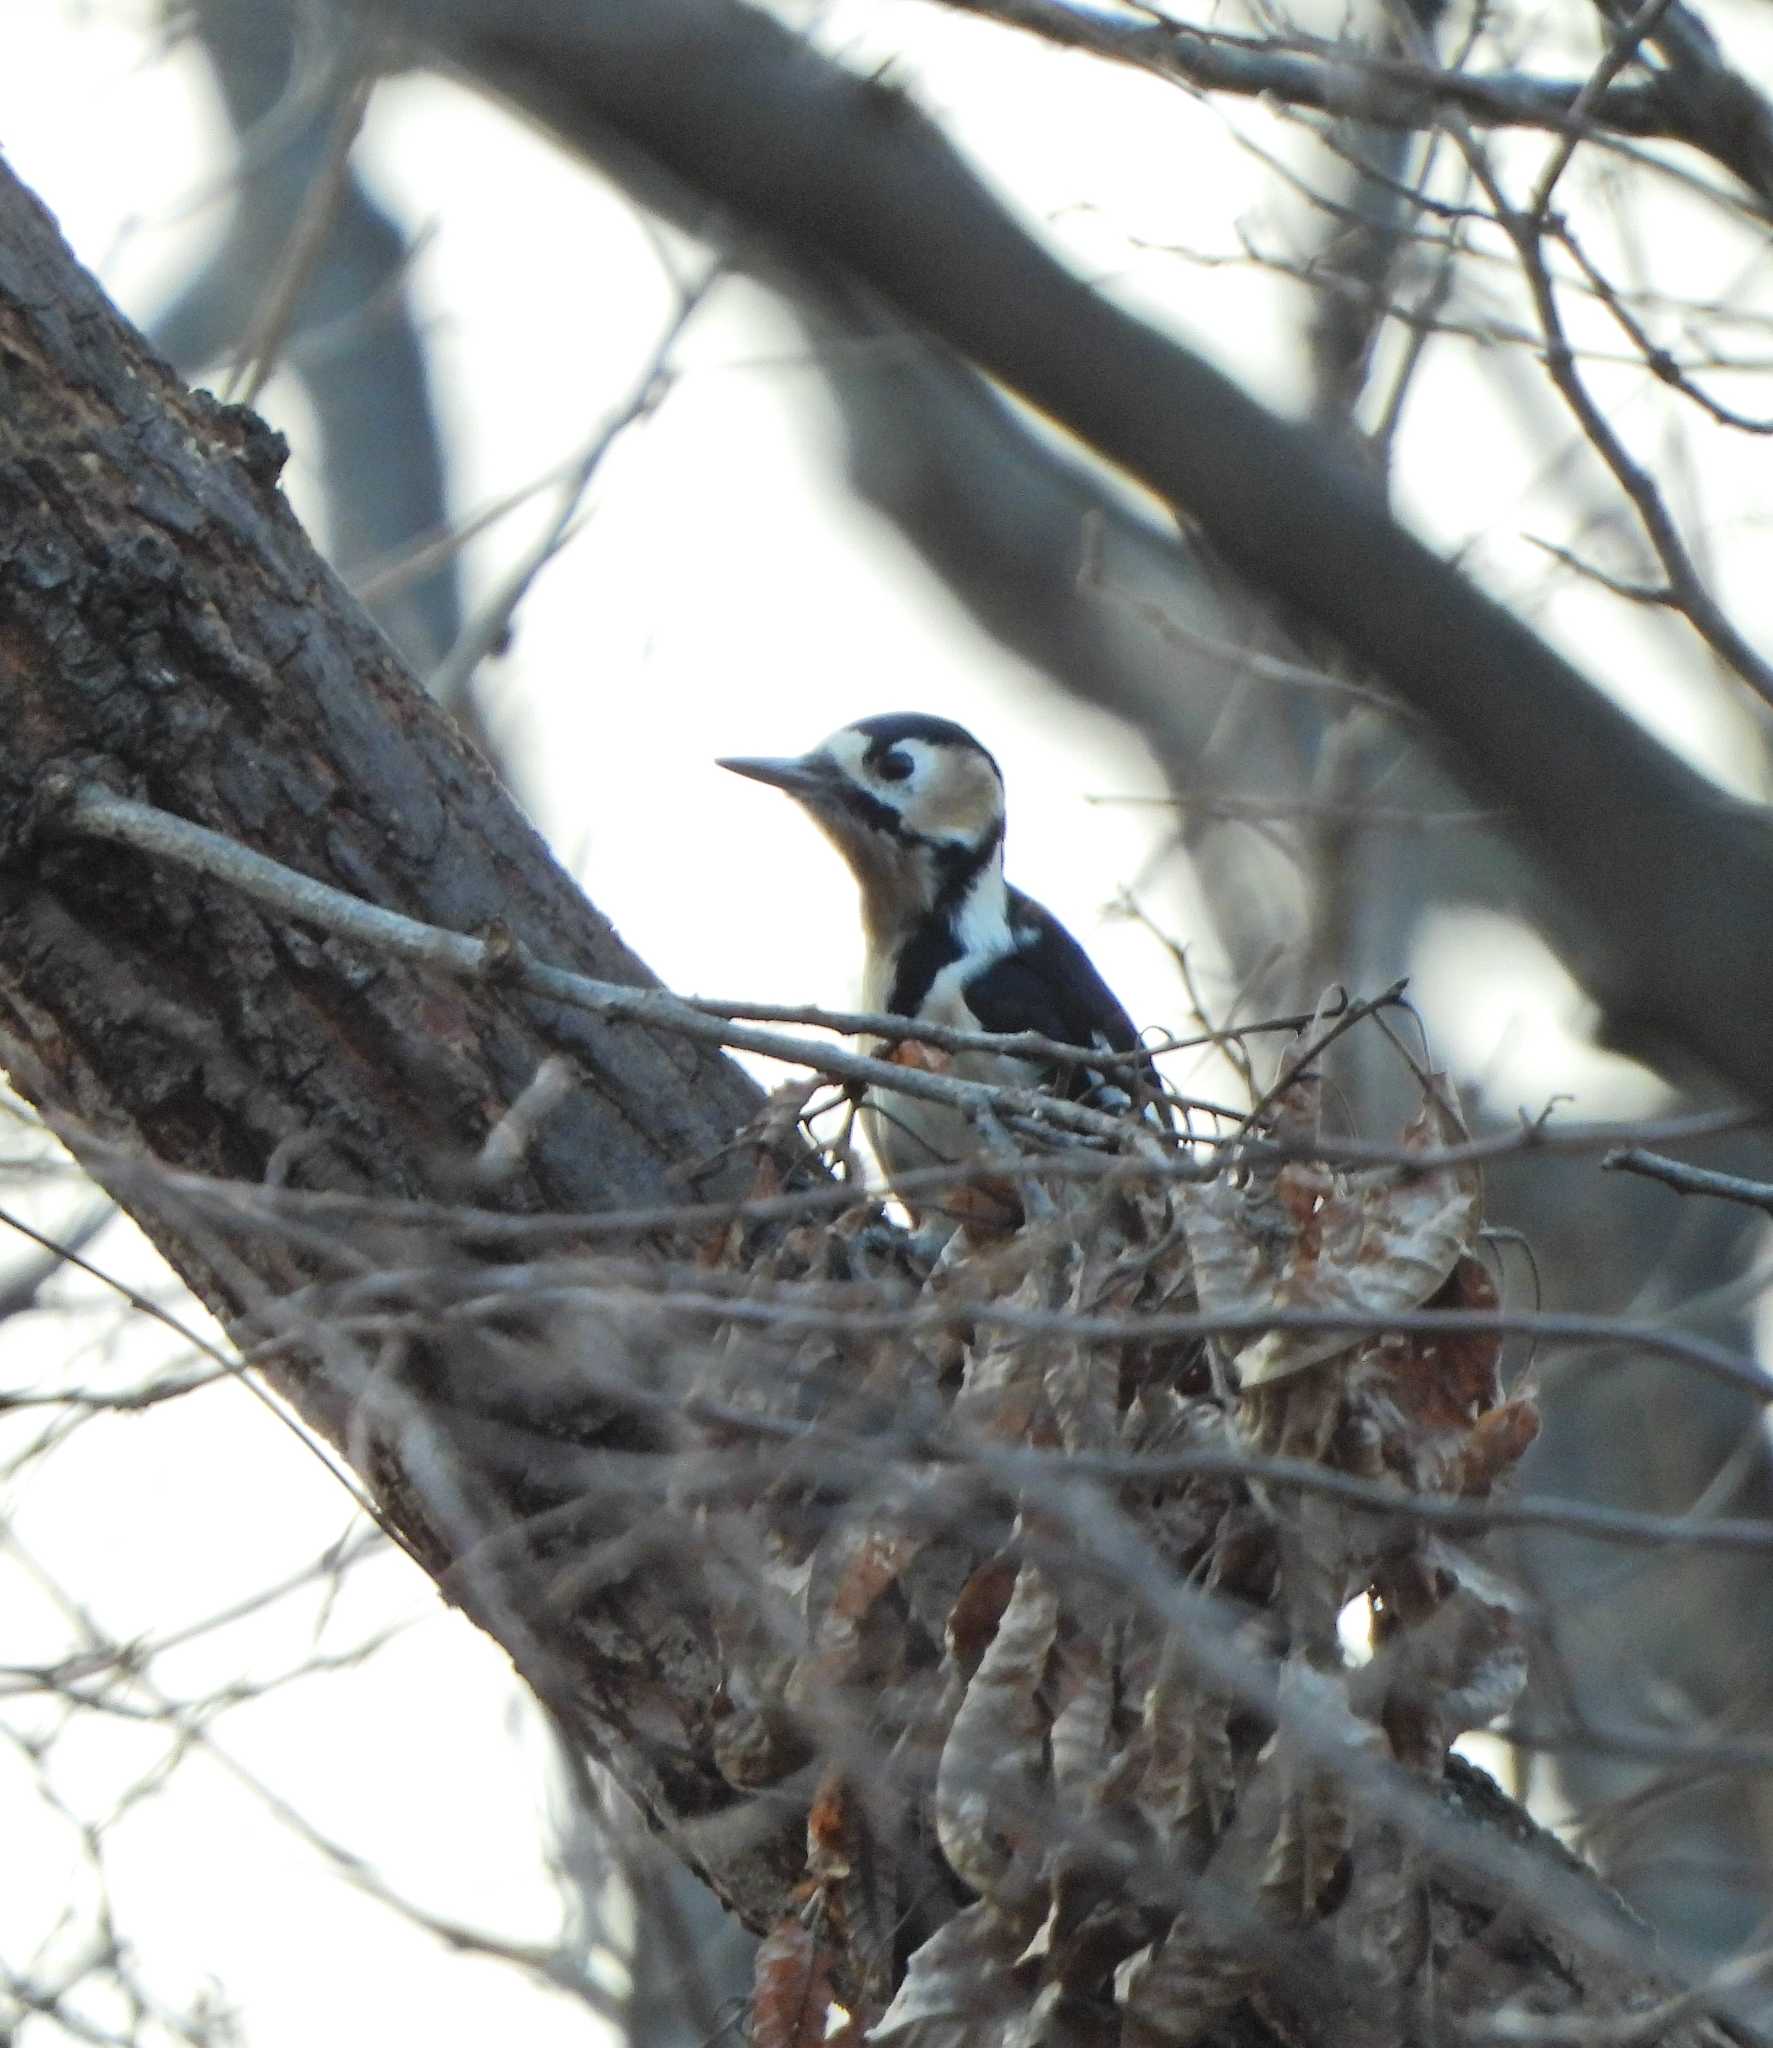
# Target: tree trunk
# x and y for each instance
(166, 630)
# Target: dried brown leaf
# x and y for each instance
(1317, 1814)
(977, 1613)
(790, 1988)
(830, 1830)
(988, 1798)
(1172, 1991)
(1002, 1392)
(959, 1990)
(853, 1569)
(1444, 1383)
(1080, 1732)
(1306, 1236)
(1181, 1776)
(1082, 1386)
(1497, 1443)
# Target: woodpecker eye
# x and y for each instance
(896, 766)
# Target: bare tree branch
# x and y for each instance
(1713, 109)
(1687, 1179)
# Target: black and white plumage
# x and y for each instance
(916, 806)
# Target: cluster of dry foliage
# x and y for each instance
(1044, 1571)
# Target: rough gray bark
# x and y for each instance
(164, 628)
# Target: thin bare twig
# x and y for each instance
(1687, 590)
(860, 1309)
(253, 1205)
(264, 341)
(1621, 49)
(1385, 91)
(96, 813)
(1660, 362)
(485, 634)
(1690, 1180)
(225, 1360)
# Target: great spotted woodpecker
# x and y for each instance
(916, 806)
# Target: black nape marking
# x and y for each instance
(936, 942)
(864, 805)
(958, 863)
(889, 728)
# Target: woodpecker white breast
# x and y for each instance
(916, 807)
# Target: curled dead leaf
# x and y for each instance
(1305, 1235)
(959, 1989)
(988, 1780)
(790, 1988)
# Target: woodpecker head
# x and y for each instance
(914, 804)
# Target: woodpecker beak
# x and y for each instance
(813, 778)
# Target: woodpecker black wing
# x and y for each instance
(1049, 984)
